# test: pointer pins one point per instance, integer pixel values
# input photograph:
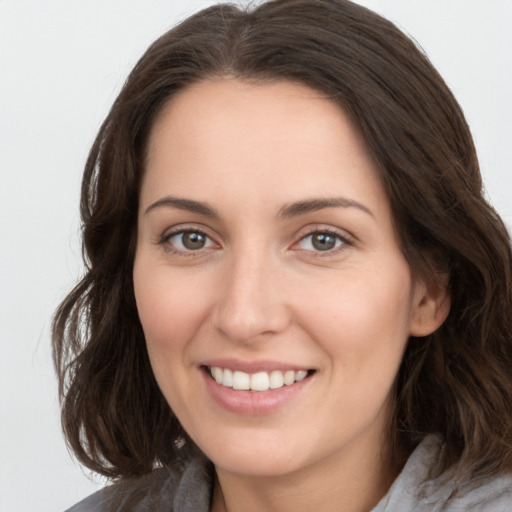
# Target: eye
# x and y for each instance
(321, 241)
(188, 240)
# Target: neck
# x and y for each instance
(352, 481)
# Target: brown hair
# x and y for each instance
(456, 382)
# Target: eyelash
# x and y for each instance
(345, 240)
(169, 247)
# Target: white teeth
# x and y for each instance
(276, 380)
(218, 374)
(289, 377)
(260, 381)
(241, 380)
(300, 375)
(227, 379)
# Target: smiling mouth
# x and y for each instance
(259, 381)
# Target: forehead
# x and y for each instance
(231, 105)
(261, 140)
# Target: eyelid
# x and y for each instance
(164, 239)
(347, 239)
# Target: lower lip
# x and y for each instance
(253, 402)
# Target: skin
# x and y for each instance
(260, 290)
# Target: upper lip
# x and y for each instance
(254, 366)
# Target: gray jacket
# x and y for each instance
(190, 490)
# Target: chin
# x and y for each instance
(258, 465)
(262, 454)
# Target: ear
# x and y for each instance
(431, 305)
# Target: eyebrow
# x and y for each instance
(183, 204)
(313, 205)
(287, 211)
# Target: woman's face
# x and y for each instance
(266, 256)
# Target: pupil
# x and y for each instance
(193, 240)
(323, 241)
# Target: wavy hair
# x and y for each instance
(456, 382)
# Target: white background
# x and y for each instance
(61, 66)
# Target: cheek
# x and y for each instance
(171, 313)
(363, 325)
(170, 308)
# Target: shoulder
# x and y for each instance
(186, 489)
(415, 490)
(490, 495)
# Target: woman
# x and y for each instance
(296, 295)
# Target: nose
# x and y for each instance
(251, 301)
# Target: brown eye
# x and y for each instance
(193, 240)
(321, 241)
(189, 241)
